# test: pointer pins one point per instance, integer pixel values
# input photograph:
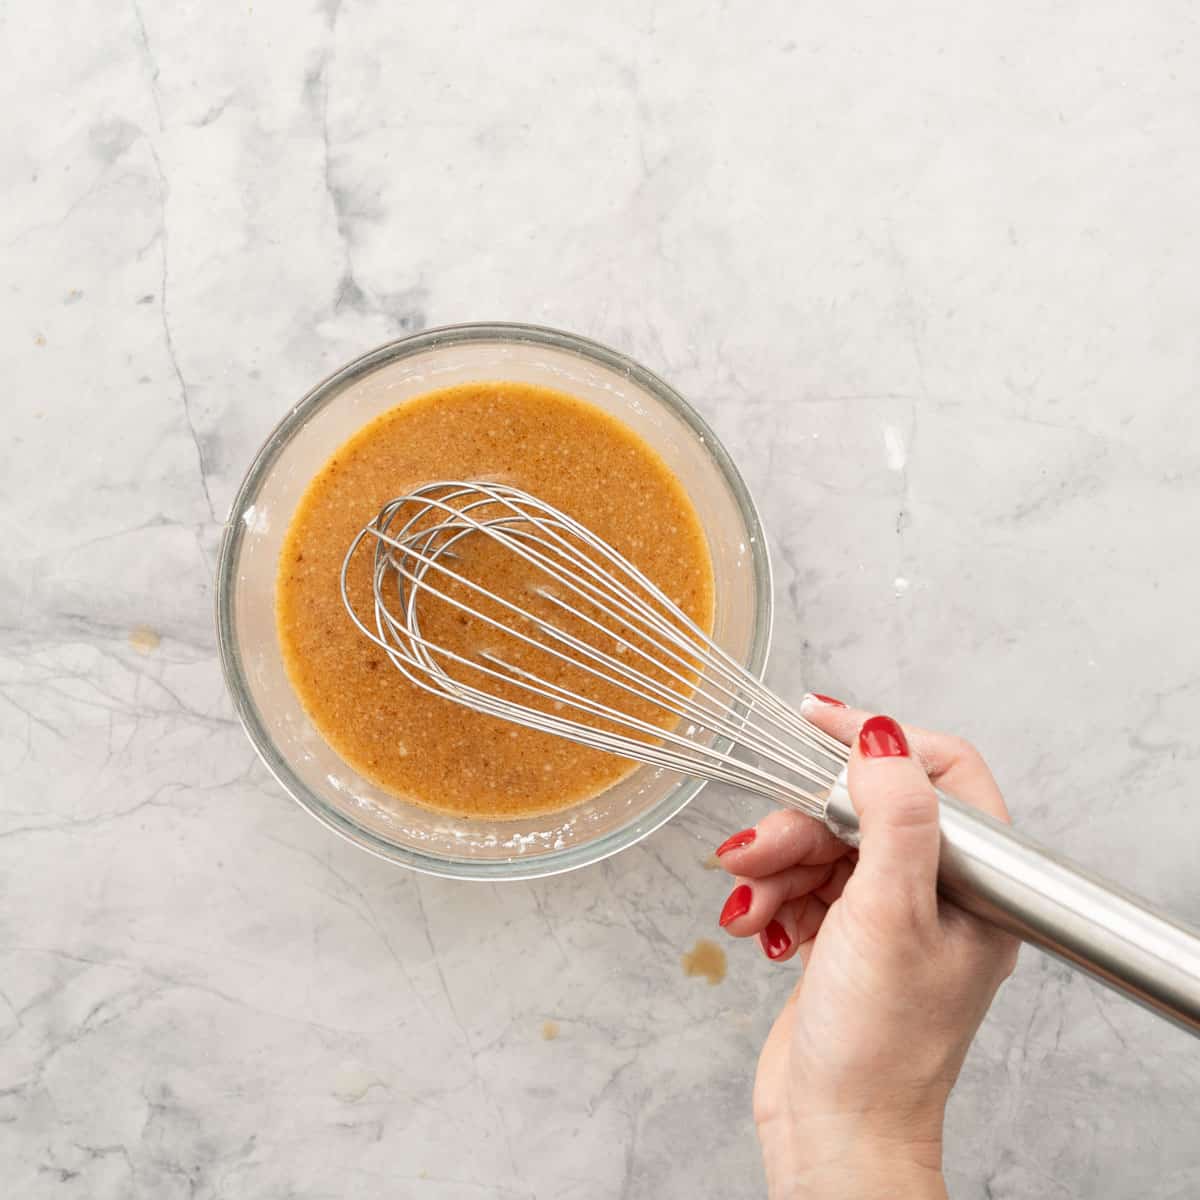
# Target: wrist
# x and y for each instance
(839, 1159)
(860, 1180)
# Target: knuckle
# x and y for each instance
(995, 953)
(913, 808)
(959, 750)
(1008, 960)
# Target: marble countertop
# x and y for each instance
(931, 275)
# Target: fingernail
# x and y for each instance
(832, 701)
(774, 939)
(738, 904)
(881, 737)
(744, 838)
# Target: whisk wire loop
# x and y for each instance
(653, 652)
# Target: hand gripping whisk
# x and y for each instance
(645, 682)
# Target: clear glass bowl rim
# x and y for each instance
(558, 861)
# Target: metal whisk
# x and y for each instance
(693, 709)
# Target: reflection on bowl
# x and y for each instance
(283, 735)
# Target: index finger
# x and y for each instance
(953, 764)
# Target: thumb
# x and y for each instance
(898, 819)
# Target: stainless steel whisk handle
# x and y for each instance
(1005, 877)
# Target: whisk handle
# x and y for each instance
(1005, 877)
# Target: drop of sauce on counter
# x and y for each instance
(550, 1030)
(144, 639)
(707, 959)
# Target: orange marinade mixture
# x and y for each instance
(421, 747)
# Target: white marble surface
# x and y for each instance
(931, 271)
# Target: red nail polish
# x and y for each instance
(738, 904)
(744, 838)
(832, 701)
(774, 939)
(881, 737)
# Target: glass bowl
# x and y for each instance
(286, 739)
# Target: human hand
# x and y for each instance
(853, 1079)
